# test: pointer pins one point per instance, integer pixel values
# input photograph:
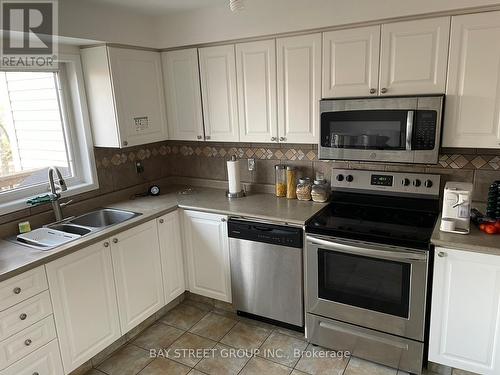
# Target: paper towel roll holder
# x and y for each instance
(239, 194)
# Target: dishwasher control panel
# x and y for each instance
(273, 234)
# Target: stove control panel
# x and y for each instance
(390, 182)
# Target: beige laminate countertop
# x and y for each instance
(475, 241)
(15, 259)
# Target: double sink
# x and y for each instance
(57, 234)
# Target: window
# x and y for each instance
(43, 123)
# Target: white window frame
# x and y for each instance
(78, 138)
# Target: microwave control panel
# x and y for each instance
(424, 130)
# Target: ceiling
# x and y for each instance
(161, 7)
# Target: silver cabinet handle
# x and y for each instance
(373, 91)
(208, 137)
(27, 342)
(35, 373)
(23, 316)
(161, 221)
(125, 143)
(223, 219)
(115, 240)
(199, 137)
(106, 244)
(384, 90)
(282, 139)
(441, 254)
(17, 290)
(274, 139)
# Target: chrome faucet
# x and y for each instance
(56, 187)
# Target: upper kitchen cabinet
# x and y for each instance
(256, 72)
(299, 88)
(219, 94)
(413, 57)
(182, 91)
(472, 113)
(125, 96)
(350, 62)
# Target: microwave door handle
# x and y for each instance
(409, 129)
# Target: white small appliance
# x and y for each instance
(456, 207)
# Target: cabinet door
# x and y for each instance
(218, 89)
(172, 262)
(351, 62)
(414, 57)
(472, 113)
(465, 319)
(139, 285)
(83, 296)
(183, 96)
(139, 99)
(256, 73)
(299, 88)
(207, 250)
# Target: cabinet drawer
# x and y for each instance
(44, 361)
(22, 287)
(24, 314)
(27, 341)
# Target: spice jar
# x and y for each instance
(291, 182)
(304, 189)
(320, 191)
(280, 180)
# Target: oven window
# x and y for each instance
(368, 129)
(370, 283)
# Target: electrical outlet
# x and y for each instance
(251, 164)
(139, 168)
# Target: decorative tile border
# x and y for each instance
(107, 158)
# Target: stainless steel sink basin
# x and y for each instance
(70, 228)
(103, 218)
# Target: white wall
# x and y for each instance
(264, 17)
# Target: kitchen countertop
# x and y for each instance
(475, 241)
(16, 259)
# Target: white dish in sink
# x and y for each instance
(47, 237)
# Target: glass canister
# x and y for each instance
(280, 180)
(320, 191)
(291, 182)
(304, 189)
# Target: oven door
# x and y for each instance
(374, 286)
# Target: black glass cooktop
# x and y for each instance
(407, 222)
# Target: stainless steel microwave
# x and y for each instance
(397, 129)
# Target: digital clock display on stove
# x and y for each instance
(381, 180)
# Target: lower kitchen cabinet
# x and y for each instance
(43, 361)
(207, 249)
(172, 262)
(83, 294)
(139, 286)
(465, 313)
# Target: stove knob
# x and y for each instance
(428, 183)
(349, 178)
(417, 182)
(405, 182)
(340, 177)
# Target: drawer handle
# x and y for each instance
(27, 342)
(115, 240)
(36, 373)
(441, 254)
(17, 290)
(23, 316)
(384, 90)
(162, 221)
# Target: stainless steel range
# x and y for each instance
(367, 266)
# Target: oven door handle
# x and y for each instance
(409, 129)
(370, 250)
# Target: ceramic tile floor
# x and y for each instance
(194, 328)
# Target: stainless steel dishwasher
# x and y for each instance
(266, 270)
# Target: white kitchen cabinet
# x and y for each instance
(207, 249)
(182, 94)
(138, 275)
(218, 93)
(83, 296)
(172, 260)
(256, 81)
(299, 88)
(43, 361)
(351, 62)
(472, 113)
(414, 56)
(465, 321)
(125, 96)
